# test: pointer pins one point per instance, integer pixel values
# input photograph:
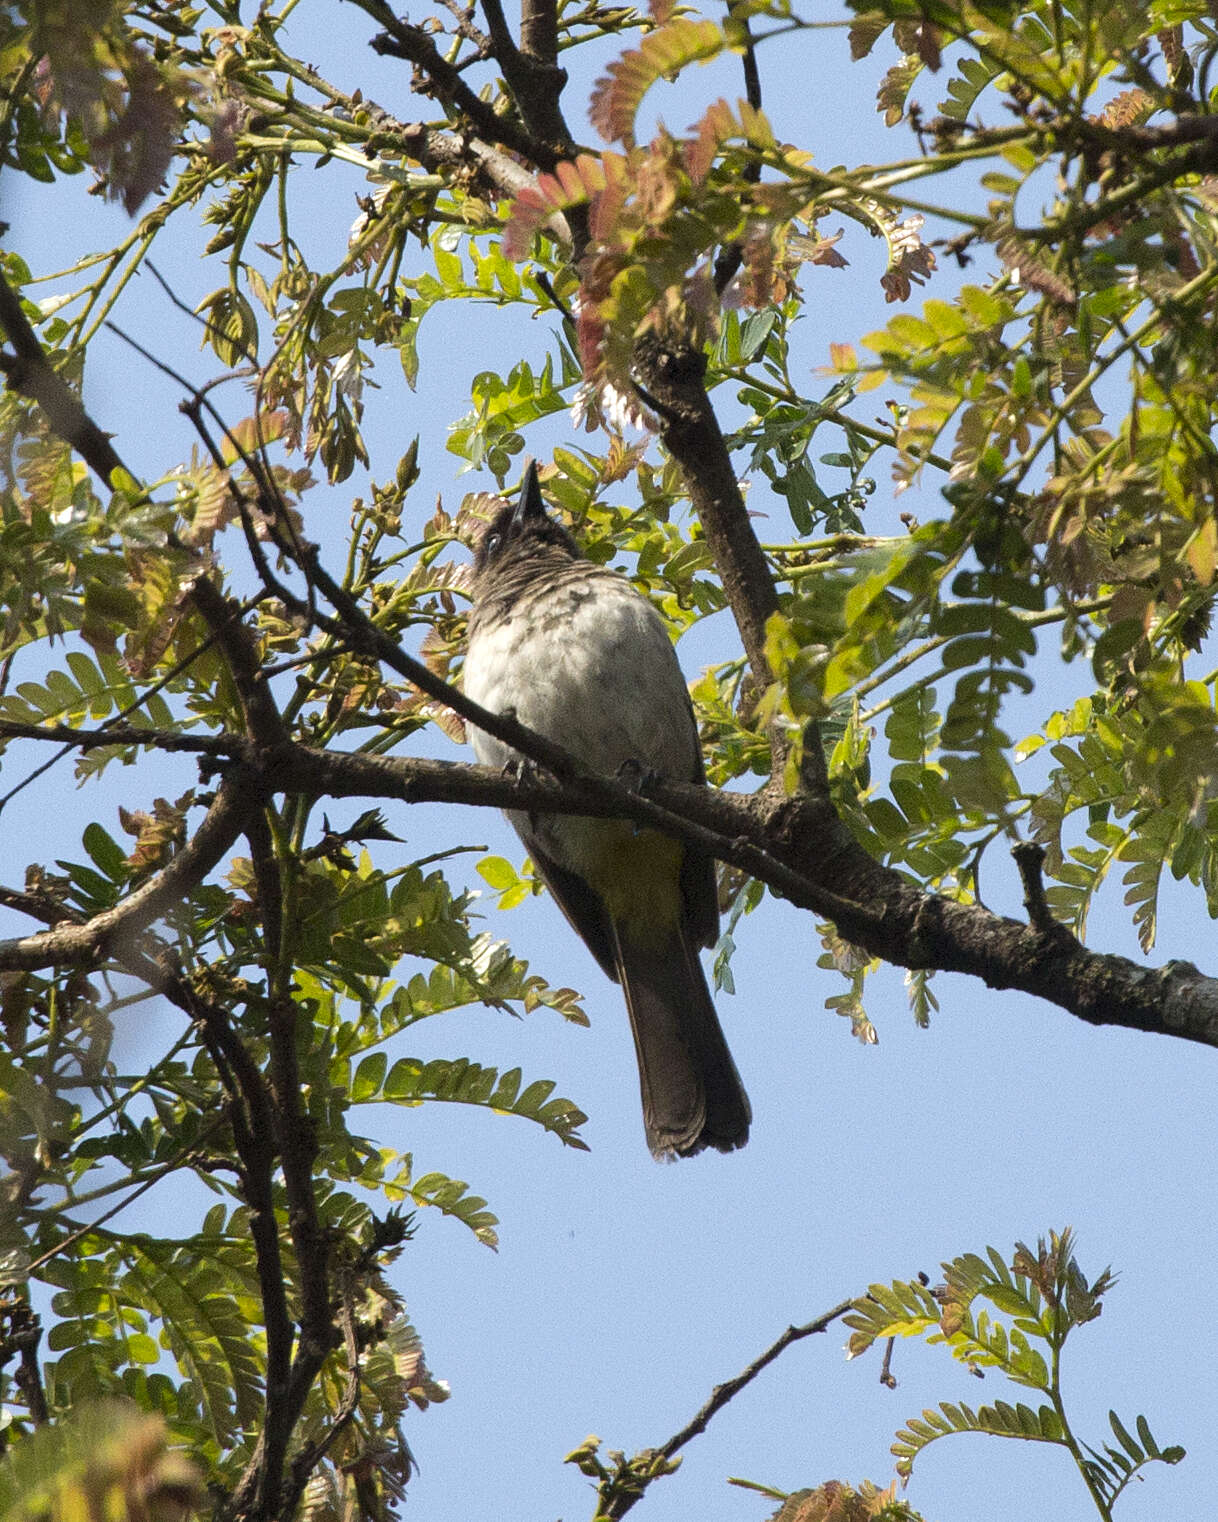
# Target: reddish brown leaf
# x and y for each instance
(1171, 40)
(137, 149)
(920, 39)
(711, 131)
(818, 250)
(910, 262)
(894, 90)
(864, 35)
(1128, 109)
(573, 183)
(619, 92)
(1034, 274)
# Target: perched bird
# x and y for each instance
(575, 653)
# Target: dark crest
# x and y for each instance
(523, 528)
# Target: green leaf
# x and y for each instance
(412, 1082)
(498, 872)
(755, 331)
(369, 1076)
(450, 1197)
(105, 852)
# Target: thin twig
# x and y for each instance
(731, 256)
(887, 1378)
(623, 1501)
(112, 929)
(222, 747)
(732, 1387)
(145, 1185)
(402, 40)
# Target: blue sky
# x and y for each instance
(623, 1290)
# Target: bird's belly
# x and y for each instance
(634, 872)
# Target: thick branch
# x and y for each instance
(796, 846)
(672, 379)
(446, 152)
(28, 373)
(531, 70)
(1133, 138)
(800, 849)
(225, 618)
(402, 40)
(539, 30)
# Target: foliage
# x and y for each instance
(835, 1502)
(1040, 1297)
(108, 1459)
(1048, 368)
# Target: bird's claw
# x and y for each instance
(636, 777)
(519, 768)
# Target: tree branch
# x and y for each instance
(672, 379)
(532, 72)
(20, 1334)
(225, 620)
(796, 846)
(107, 933)
(28, 373)
(799, 848)
(727, 1391)
(449, 152)
(623, 1500)
(539, 29)
(444, 81)
(732, 255)
(221, 747)
(298, 1154)
(304, 1462)
(250, 1112)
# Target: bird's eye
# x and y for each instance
(492, 542)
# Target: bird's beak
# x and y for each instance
(531, 504)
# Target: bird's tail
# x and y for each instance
(692, 1094)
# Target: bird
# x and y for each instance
(574, 652)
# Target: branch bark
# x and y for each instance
(672, 379)
(796, 846)
(443, 80)
(532, 71)
(27, 372)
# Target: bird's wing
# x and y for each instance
(582, 906)
(700, 897)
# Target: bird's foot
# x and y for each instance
(519, 768)
(636, 777)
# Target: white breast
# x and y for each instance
(589, 665)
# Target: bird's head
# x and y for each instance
(523, 530)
